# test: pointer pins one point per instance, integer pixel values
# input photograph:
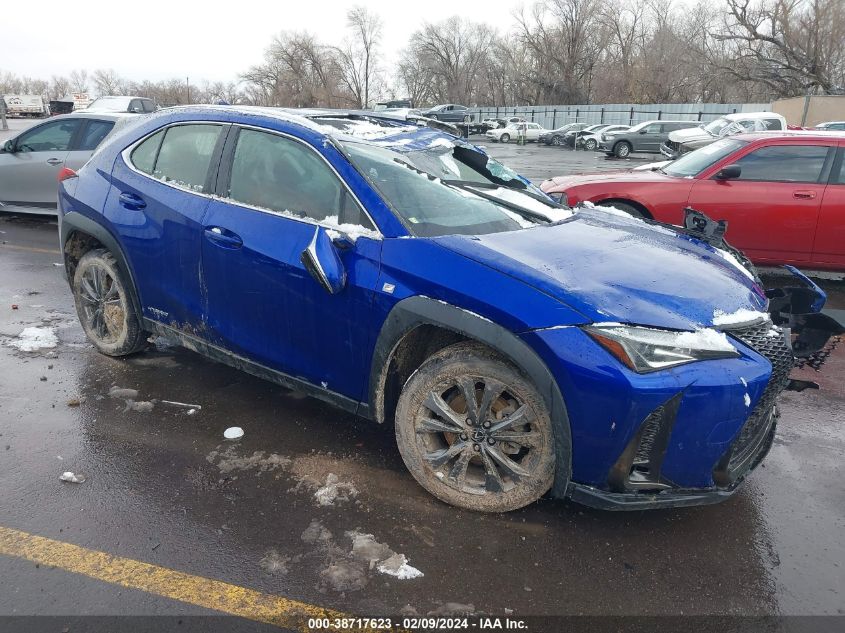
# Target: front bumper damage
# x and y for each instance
(692, 448)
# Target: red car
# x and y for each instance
(782, 194)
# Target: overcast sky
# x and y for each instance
(156, 39)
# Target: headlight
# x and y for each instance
(646, 349)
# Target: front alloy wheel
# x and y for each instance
(590, 144)
(504, 138)
(474, 433)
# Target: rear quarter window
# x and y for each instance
(143, 157)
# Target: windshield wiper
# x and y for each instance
(491, 185)
(468, 185)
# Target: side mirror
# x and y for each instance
(9, 147)
(644, 130)
(322, 262)
(729, 172)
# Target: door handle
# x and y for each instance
(54, 161)
(223, 237)
(131, 201)
(804, 194)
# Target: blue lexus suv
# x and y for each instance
(516, 346)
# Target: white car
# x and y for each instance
(687, 140)
(494, 124)
(532, 132)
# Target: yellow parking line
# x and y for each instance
(176, 585)
(31, 249)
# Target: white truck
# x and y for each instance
(25, 106)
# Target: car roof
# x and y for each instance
(819, 135)
(94, 114)
(736, 116)
(358, 125)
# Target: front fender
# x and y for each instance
(415, 311)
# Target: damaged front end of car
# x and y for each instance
(794, 333)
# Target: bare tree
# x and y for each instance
(79, 80)
(792, 46)
(107, 82)
(358, 57)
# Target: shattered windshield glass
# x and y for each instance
(717, 127)
(448, 189)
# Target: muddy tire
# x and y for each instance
(504, 138)
(622, 149)
(103, 304)
(474, 432)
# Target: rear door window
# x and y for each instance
(784, 163)
(179, 155)
(94, 134)
(773, 124)
(50, 137)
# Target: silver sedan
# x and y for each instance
(30, 162)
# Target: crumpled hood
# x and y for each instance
(689, 134)
(612, 268)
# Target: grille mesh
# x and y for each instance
(768, 341)
(650, 428)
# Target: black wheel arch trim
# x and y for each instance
(75, 221)
(416, 311)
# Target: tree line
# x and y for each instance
(552, 52)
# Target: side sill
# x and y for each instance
(256, 369)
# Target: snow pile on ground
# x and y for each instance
(335, 490)
(35, 338)
(397, 565)
(743, 315)
(70, 477)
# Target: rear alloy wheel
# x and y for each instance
(103, 305)
(556, 140)
(474, 432)
(433, 117)
(590, 144)
(622, 149)
(504, 138)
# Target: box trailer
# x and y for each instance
(25, 106)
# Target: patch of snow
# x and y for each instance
(743, 315)
(747, 399)
(335, 490)
(440, 142)
(397, 565)
(35, 338)
(142, 407)
(352, 231)
(121, 393)
(233, 433)
(729, 257)
(229, 461)
(705, 338)
(609, 210)
(69, 477)
(744, 382)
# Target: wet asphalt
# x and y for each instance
(162, 486)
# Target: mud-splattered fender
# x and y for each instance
(75, 221)
(416, 311)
